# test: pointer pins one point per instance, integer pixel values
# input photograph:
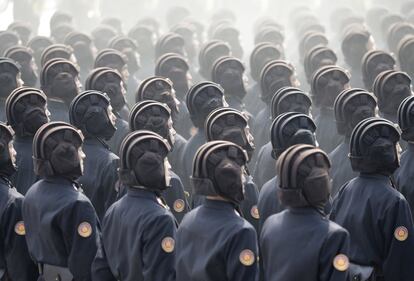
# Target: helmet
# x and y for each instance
(152, 116)
(26, 110)
(230, 125)
(351, 107)
(303, 173)
(218, 169)
(289, 129)
(373, 146)
(55, 151)
(202, 99)
(143, 161)
(89, 111)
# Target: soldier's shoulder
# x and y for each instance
(333, 227)
(274, 221)
(191, 216)
(34, 188)
(10, 197)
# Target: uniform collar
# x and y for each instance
(141, 192)
(96, 141)
(304, 211)
(218, 204)
(375, 176)
(59, 180)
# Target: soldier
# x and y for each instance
(91, 112)
(229, 251)
(275, 75)
(156, 117)
(404, 175)
(170, 43)
(373, 63)
(270, 34)
(356, 42)
(8, 39)
(59, 80)
(376, 215)
(113, 22)
(260, 56)
(229, 73)
(10, 79)
(405, 55)
(23, 29)
(316, 58)
(60, 17)
(110, 82)
(15, 261)
(59, 33)
(38, 44)
(113, 59)
(130, 49)
(209, 53)
(26, 111)
(139, 230)
(391, 88)
(287, 99)
(28, 68)
(228, 33)
(327, 83)
(228, 124)
(398, 33)
(350, 107)
(300, 243)
(62, 231)
(287, 130)
(84, 51)
(188, 31)
(311, 40)
(57, 51)
(145, 37)
(101, 36)
(161, 89)
(176, 68)
(201, 100)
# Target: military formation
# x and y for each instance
(177, 152)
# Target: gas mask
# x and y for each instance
(229, 73)
(373, 147)
(56, 151)
(218, 170)
(153, 116)
(143, 161)
(303, 173)
(228, 124)
(91, 111)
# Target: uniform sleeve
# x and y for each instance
(249, 205)
(176, 199)
(81, 231)
(242, 257)
(256, 170)
(110, 180)
(158, 255)
(398, 242)
(333, 259)
(100, 267)
(18, 262)
(335, 203)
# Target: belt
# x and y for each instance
(54, 273)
